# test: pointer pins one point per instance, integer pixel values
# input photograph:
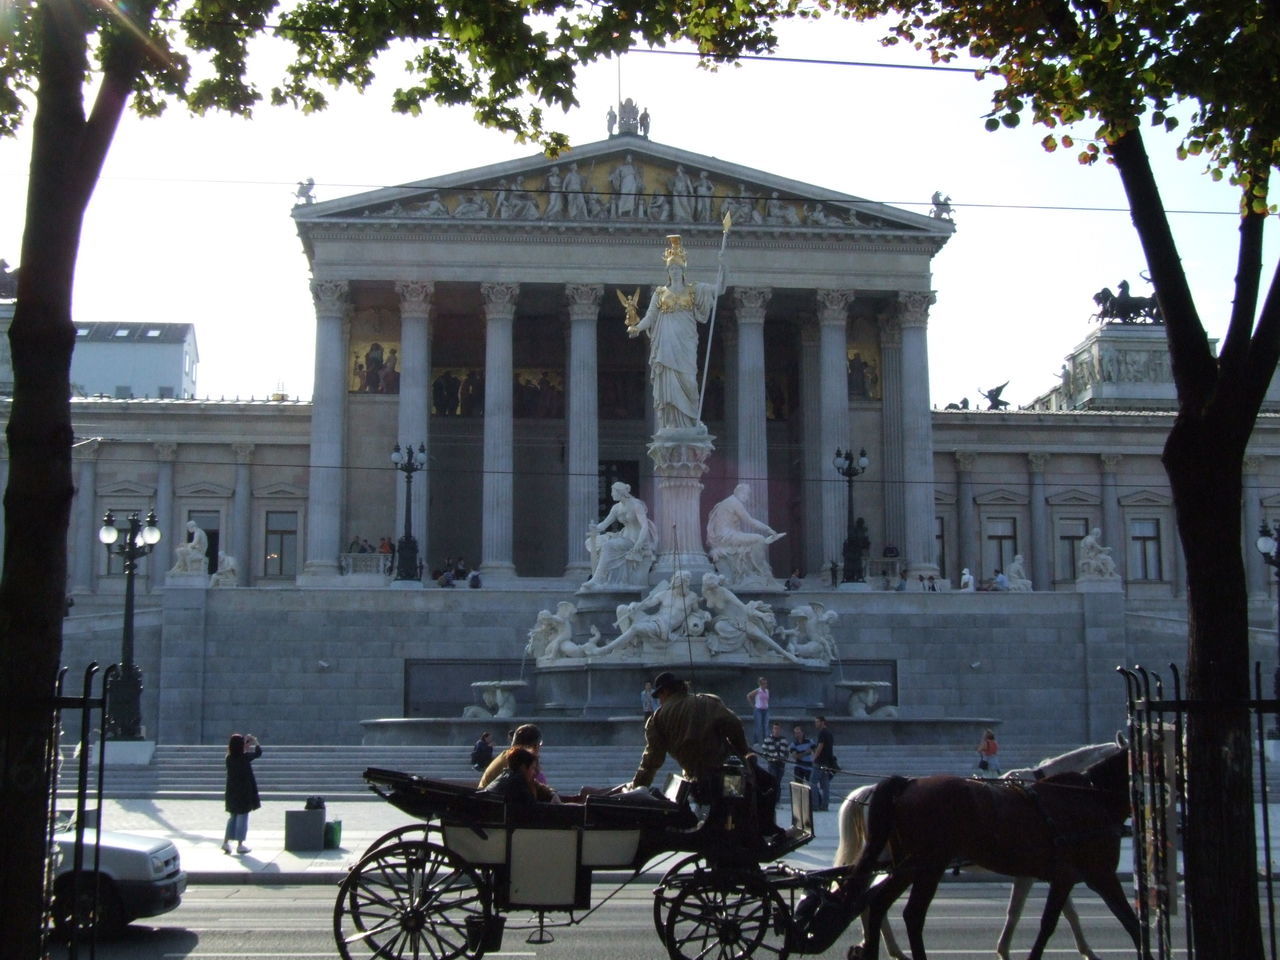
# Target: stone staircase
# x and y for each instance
(294, 772)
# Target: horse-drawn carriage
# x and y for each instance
(443, 887)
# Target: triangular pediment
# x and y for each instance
(1001, 498)
(125, 488)
(205, 488)
(627, 180)
(280, 489)
(1146, 498)
(1073, 498)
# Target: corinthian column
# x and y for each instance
(583, 440)
(415, 397)
(966, 519)
(84, 531)
(1041, 546)
(895, 480)
(242, 512)
(1112, 529)
(814, 462)
(496, 559)
(917, 434)
(328, 432)
(833, 386)
(166, 454)
(753, 450)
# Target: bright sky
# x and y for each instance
(190, 221)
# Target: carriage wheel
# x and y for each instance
(669, 886)
(726, 915)
(413, 831)
(412, 899)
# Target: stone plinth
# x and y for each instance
(679, 461)
(1099, 585)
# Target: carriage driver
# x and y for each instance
(699, 732)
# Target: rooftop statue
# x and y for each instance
(628, 117)
(1123, 307)
(941, 207)
(992, 397)
(305, 194)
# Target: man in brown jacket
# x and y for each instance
(698, 730)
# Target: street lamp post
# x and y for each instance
(1270, 548)
(408, 462)
(124, 700)
(849, 468)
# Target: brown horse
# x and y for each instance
(1063, 830)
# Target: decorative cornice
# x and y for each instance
(584, 296)
(499, 299)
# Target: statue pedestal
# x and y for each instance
(187, 580)
(855, 586)
(679, 460)
(1099, 585)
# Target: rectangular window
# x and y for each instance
(1144, 550)
(940, 546)
(281, 553)
(124, 392)
(1071, 530)
(1001, 543)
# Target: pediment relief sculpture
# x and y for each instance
(627, 187)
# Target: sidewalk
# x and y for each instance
(196, 828)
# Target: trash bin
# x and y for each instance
(332, 834)
(304, 830)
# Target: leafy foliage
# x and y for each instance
(1122, 63)
(506, 59)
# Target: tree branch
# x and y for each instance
(1235, 347)
(1194, 368)
(1264, 348)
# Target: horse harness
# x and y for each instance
(1058, 836)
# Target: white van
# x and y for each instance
(136, 876)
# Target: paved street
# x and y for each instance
(237, 922)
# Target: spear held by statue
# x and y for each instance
(711, 323)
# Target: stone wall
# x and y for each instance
(307, 666)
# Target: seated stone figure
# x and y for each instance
(621, 558)
(738, 543)
(670, 611)
(810, 638)
(190, 557)
(552, 636)
(1095, 559)
(737, 624)
(1017, 574)
(228, 573)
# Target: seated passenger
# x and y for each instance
(515, 784)
(529, 738)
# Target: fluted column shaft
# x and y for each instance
(966, 516)
(895, 485)
(242, 512)
(583, 427)
(917, 434)
(1256, 573)
(1113, 532)
(833, 320)
(158, 563)
(811, 437)
(497, 517)
(84, 532)
(753, 448)
(328, 432)
(414, 416)
(1041, 545)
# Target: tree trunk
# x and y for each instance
(1203, 459)
(66, 155)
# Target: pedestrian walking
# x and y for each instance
(241, 794)
(988, 766)
(801, 751)
(774, 750)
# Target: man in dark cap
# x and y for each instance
(698, 730)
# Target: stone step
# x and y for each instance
(303, 770)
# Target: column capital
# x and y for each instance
(165, 452)
(890, 330)
(86, 450)
(1110, 461)
(913, 307)
(243, 452)
(749, 303)
(415, 296)
(499, 299)
(1037, 462)
(330, 295)
(584, 300)
(965, 460)
(833, 306)
(1252, 465)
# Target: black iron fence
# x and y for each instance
(1157, 735)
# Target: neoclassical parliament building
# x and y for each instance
(480, 315)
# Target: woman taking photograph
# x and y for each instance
(241, 796)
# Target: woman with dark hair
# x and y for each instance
(241, 796)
